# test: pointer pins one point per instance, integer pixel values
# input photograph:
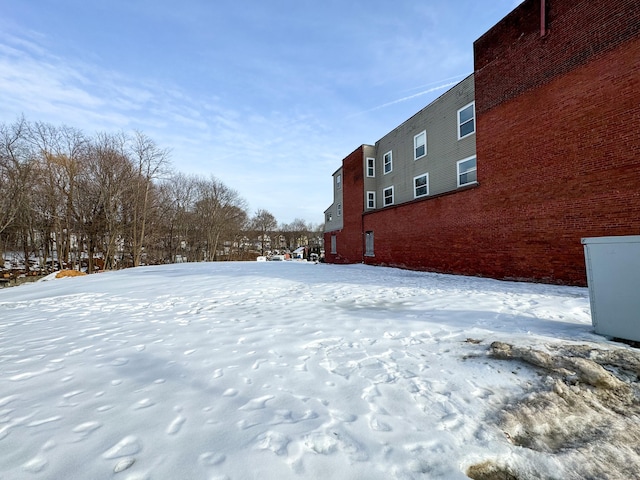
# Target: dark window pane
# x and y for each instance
(467, 128)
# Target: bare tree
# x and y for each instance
(15, 170)
(218, 209)
(16, 214)
(198, 216)
(177, 200)
(150, 163)
(235, 232)
(316, 238)
(70, 197)
(296, 233)
(300, 231)
(264, 224)
(103, 184)
(61, 151)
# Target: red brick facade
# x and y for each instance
(349, 239)
(558, 148)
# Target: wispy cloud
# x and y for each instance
(263, 98)
(255, 152)
(404, 99)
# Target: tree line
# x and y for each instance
(113, 200)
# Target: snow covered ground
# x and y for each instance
(276, 370)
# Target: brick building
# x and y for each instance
(556, 143)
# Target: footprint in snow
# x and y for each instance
(85, 429)
(129, 445)
(451, 422)
(211, 458)
(379, 426)
(118, 362)
(36, 464)
(245, 424)
(335, 440)
(321, 443)
(287, 416)
(344, 417)
(72, 394)
(257, 363)
(44, 421)
(274, 441)
(144, 403)
(351, 447)
(257, 403)
(175, 426)
(123, 464)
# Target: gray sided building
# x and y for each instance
(431, 154)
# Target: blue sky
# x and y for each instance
(266, 95)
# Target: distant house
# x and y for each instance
(299, 253)
(504, 174)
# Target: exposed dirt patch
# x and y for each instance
(69, 273)
(585, 413)
(489, 471)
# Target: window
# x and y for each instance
(339, 212)
(388, 196)
(338, 182)
(420, 145)
(421, 185)
(368, 244)
(371, 199)
(467, 171)
(371, 167)
(329, 217)
(466, 120)
(388, 162)
(334, 250)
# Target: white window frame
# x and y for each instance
(338, 182)
(388, 155)
(472, 119)
(415, 188)
(416, 145)
(384, 196)
(371, 199)
(339, 210)
(371, 167)
(475, 169)
(334, 246)
(329, 217)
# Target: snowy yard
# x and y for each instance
(282, 370)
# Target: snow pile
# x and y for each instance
(278, 370)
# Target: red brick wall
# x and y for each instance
(558, 145)
(440, 234)
(349, 240)
(512, 57)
